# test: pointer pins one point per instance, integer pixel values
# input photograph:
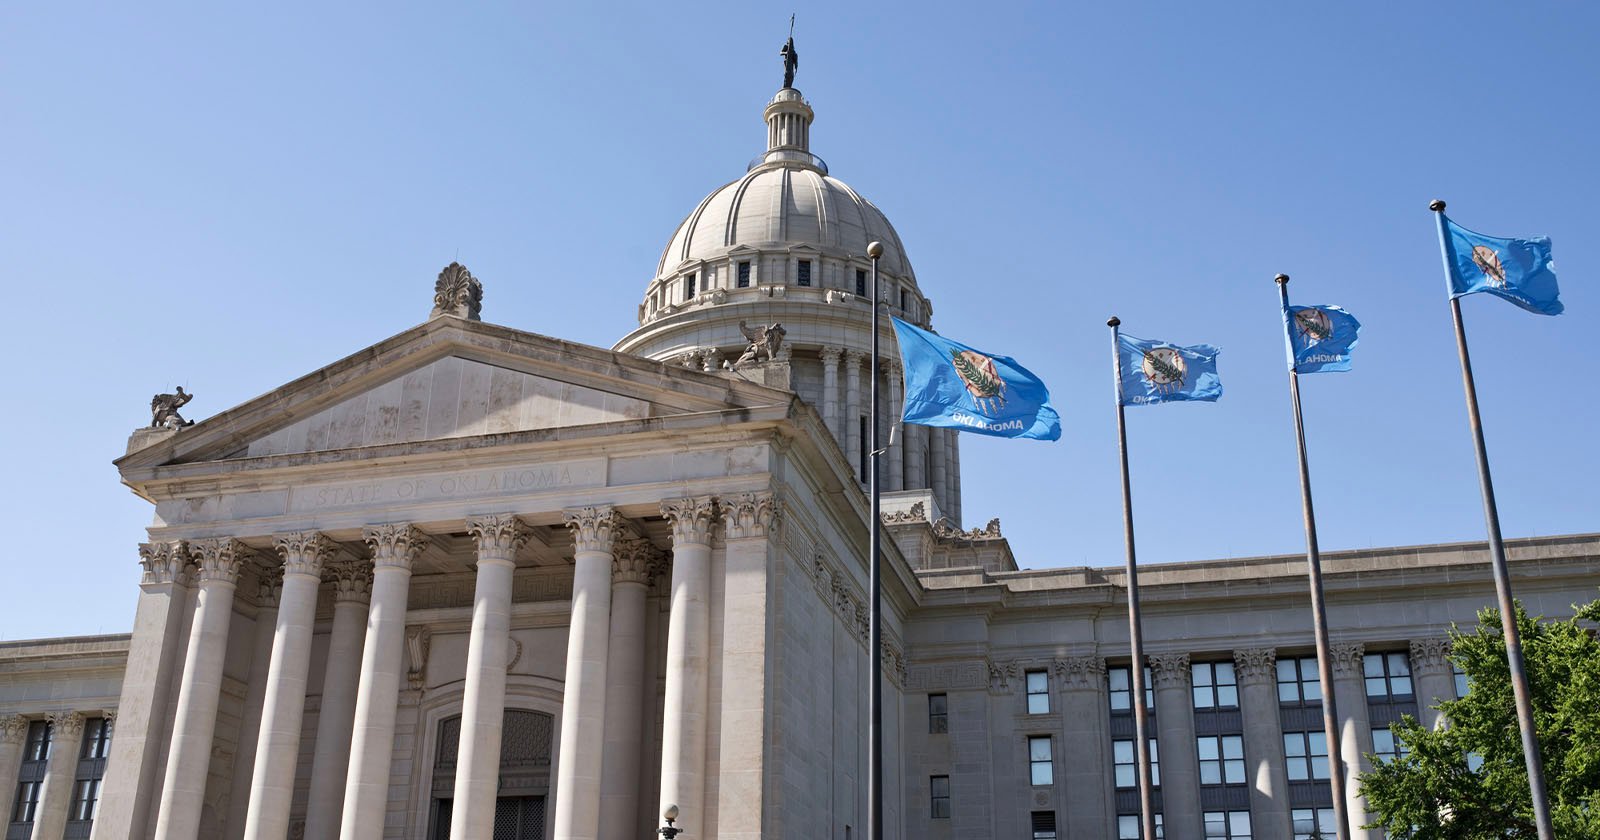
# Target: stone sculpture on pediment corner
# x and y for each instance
(164, 410)
(457, 293)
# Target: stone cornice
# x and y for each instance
(691, 519)
(594, 529)
(394, 546)
(499, 536)
(1170, 670)
(1256, 666)
(304, 552)
(1431, 656)
(749, 515)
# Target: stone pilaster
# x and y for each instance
(916, 446)
(330, 760)
(1355, 731)
(1257, 672)
(269, 585)
(583, 698)
(483, 706)
(632, 561)
(897, 452)
(1433, 677)
(1086, 735)
(1180, 768)
(853, 402)
(66, 736)
(939, 468)
(683, 746)
(13, 731)
(750, 520)
(830, 391)
(283, 708)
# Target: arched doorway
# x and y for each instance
(519, 810)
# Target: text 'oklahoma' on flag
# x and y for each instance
(1519, 270)
(950, 384)
(1321, 337)
(1159, 371)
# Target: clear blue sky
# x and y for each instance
(230, 198)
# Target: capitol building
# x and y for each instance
(481, 584)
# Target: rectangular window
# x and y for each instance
(1128, 827)
(688, 287)
(1388, 674)
(1044, 825)
(1306, 753)
(27, 802)
(803, 273)
(1221, 759)
(861, 283)
(1040, 768)
(939, 796)
(1309, 822)
(1126, 764)
(903, 298)
(35, 753)
(1385, 747)
(96, 739)
(91, 770)
(1463, 685)
(1229, 825)
(1214, 686)
(1038, 692)
(1298, 681)
(938, 714)
(38, 745)
(1120, 681)
(85, 798)
(743, 280)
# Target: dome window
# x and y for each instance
(861, 282)
(743, 281)
(688, 287)
(803, 273)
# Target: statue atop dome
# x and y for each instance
(791, 57)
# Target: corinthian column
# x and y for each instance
(189, 757)
(583, 697)
(852, 411)
(50, 817)
(283, 707)
(1355, 730)
(619, 779)
(1435, 679)
(1257, 672)
(1086, 724)
(269, 583)
(366, 791)
(683, 744)
(748, 520)
(830, 391)
(483, 706)
(132, 783)
(13, 730)
(897, 452)
(330, 759)
(939, 469)
(1180, 780)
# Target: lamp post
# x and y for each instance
(670, 815)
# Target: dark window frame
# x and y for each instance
(939, 795)
(1042, 694)
(802, 273)
(743, 281)
(938, 714)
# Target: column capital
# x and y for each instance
(269, 584)
(1080, 673)
(352, 581)
(164, 562)
(1348, 658)
(498, 535)
(1431, 656)
(853, 358)
(66, 725)
(594, 528)
(394, 545)
(830, 355)
(891, 367)
(13, 728)
(1254, 666)
(1170, 670)
(304, 552)
(220, 559)
(749, 515)
(633, 561)
(691, 519)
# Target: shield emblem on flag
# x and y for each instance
(982, 381)
(1165, 368)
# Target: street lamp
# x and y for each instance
(670, 815)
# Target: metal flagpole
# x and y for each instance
(1497, 557)
(875, 633)
(1141, 714)
(1319, 609)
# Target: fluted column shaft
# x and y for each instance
(193, 728)
(830, 392)
(50, 817)
(366, 792)
(155, 652)
(1256, 670)
(1086, 737)
(269, 582)
(683, 747)
(897, 452)
(619, 773)
(1434, 678)
(13, 732)
(1355, 731)
(852, 411)
(330, 757)
(483, 705)
(283, 707)
(583, 696)
(1180, 768)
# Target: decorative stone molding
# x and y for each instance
(689, 359)
(67, 727)
(304, 552)
(418, 642)
(1255, 666)
(457, 293)
(946, 676)
(854, 358)
(395, 545)
(1081, 673)
(749, 515)
(594, 528)
(691, 519)
(633, 560)
(712, 358)
(894, 662)
(499, 536)
(164, 562)
(269, 585)
(352, 581)
(513, 653)
(220, 559)
(1348, 659)
(1001, 674)
(1431, 656)
(917, 513)
(13, 728)
(944, 529)
(830, 355)
(1170, 670)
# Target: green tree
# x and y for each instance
(1438, 790)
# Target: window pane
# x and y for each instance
(1039, 748)
(1038, 683)
(1377, 687)
(1372, 664)
(1210, 773)
(1202, 673)
(1202, 697)
(1319, 742)
(1118, 678)
(1399, 664)
(1227, 695)
(1207, 747)
(1127, 828)
(1400, 685)
(1294, 744)
(1286, 671)
(1233, 771)
(1122, 752)
(1233, 746)
(1319, 767)
(1312, 686)
(1042, 774)
(1127, 776)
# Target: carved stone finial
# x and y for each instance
(164, 410)
(1171, 670)
(457, 293)
(1256, 665)
(749, 515)
(764, 341)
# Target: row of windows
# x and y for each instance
(802, 278)
(93, 750)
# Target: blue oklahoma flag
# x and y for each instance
(1519, 270)
(952, 385)
(1321, 338)
(1159, 371)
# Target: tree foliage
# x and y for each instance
(1433, 792)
